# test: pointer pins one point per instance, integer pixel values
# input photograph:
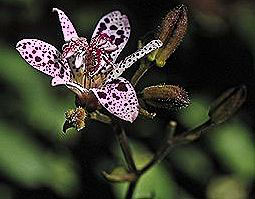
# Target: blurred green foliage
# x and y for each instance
(234, 145)
(193, 163)
(226, 187)
(21, 157)
(25, 161)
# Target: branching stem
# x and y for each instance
(174, 141)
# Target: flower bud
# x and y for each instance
(75, 118)
(165, 96)
(227, 104)
(171, 33)
(119, 174)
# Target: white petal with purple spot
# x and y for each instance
(117, 27)
(131, 59)
(41, 55)
(65, 75)
(119, 98)
(67, 27)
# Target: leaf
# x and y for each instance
(119, 174)
(226, 187)
(196, 113)
(25, 162)
(193, 162)
(21, 159)
(233, 145)
(64, 179)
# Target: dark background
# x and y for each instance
(38, 161)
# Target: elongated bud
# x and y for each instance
(119, 174)
(171, 33)
(75, 118)
(165, 96)
(170, 22)
(227, 104)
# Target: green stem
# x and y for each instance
(145, 114)
(175, 141)
(195, 133)
(144, 66)
(123, 141)
(100, 117)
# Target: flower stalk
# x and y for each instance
(124, 145)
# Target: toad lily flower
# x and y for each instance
(90, 69)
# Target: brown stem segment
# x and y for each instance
(131, 189)
(175, 141)
(123, 141)
(100, 117)
(194, 133)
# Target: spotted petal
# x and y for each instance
(119, 98)
(131, 59)
(117, 27)
(65, 75)
(67, 27)
(41, 55)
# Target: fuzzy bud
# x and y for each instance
(165, 96)
(227, 104)
(171, 33)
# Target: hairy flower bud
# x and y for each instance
(227, 104)
(171, 33)
(165, 96)
(75, 118)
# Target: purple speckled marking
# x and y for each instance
(67, 27)
(119, 98)
(117, 27)
(131, 59)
